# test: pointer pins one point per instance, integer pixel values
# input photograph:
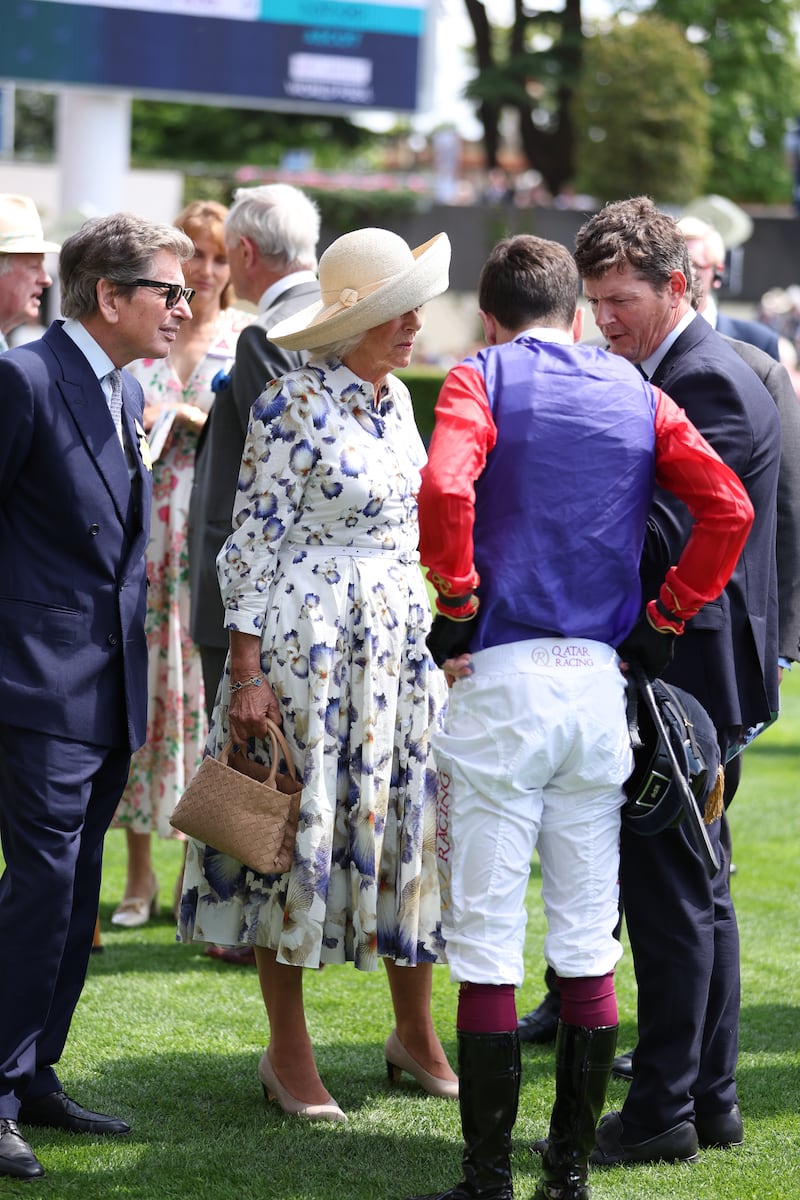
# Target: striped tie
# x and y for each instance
(115, 403)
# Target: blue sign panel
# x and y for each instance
(292, 54)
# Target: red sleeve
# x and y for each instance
(462, 438)
(715, 496)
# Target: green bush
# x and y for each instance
(424, 384)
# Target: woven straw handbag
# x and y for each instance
(243, 808)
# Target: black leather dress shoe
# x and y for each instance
(720, 1130)
(622, 1066)
(678, 1144)
(58, 1111)
(16, 1157)
(541, 1025)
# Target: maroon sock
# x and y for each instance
(486, 1008)
(591, 1003)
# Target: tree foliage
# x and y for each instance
(534, 68)
(754, 85)
(166, 132)
(34, 123)
(641, 128)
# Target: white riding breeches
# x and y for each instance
(533, 755)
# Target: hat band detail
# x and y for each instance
(347, 298)
(343, 299)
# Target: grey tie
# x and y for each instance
(115, 403)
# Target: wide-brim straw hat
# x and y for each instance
(21, 227)
(366, 277)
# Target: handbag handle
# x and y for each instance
(278, 743)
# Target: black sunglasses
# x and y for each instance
(174, 291)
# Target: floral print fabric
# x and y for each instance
(176, 719)
(322, 565)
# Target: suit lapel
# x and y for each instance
(87, 404)
(692, 336)
(84, 397)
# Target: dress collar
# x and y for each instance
(357, 394)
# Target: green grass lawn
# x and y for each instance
(170, 1040)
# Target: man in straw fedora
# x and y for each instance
(23, 277)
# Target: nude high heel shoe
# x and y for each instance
(398, 1060)
(274, 1090)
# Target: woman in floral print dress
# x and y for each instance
(177, 399)
(328, 614)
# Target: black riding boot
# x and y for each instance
(583, 1065)
(488, 1093)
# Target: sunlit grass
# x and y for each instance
(170, 1040)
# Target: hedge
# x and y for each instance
(424, 384)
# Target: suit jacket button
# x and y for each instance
(94, 530)
(112, 639)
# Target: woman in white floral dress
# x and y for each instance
(178, 396)
(328, 614)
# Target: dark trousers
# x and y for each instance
(685, 947)
(57, 799)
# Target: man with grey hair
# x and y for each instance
(74, 520)
(707, 253)
(271, 235)
(23, 277)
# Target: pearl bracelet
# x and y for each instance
(253, 681)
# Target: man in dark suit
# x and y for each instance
(707, 255)
(758, 345)
(74, 521)
(271, 234)
(637, 278)
(777, 381)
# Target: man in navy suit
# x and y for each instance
(74, 520)
(637, 277)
